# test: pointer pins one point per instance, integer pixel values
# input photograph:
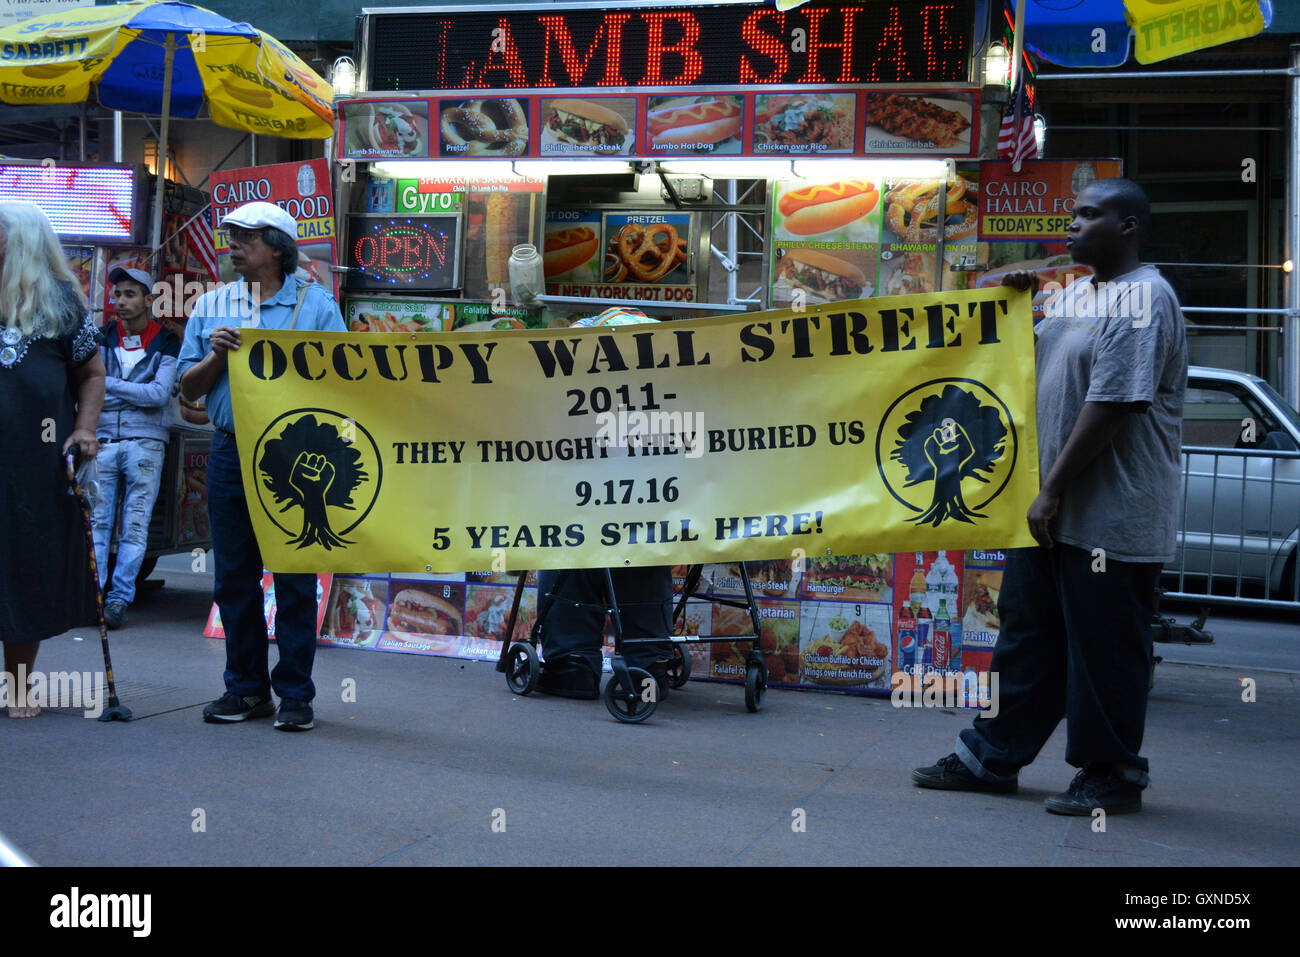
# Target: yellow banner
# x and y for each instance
(877, 425)
(1169, 28)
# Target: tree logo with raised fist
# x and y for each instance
(945, 449)
(321, 472)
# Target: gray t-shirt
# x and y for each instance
(1122, 341)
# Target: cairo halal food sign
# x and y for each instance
(400, 252)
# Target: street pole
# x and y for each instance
(168, 56)
(1291, 323)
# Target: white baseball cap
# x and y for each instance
(260, 215)
(120, 273)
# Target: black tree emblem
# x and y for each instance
(310, 467)
(951, 437)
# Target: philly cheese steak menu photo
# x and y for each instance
(599, 126)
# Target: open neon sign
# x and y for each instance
(408, 253)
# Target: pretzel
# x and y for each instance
(909, 206)
(615, 268)
(486, 126)
(649, 251)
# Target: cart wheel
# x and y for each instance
(522, 668)
(679, 669)
(755, 685)
(631, 707)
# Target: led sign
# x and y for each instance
(97, 204)
(544, 46)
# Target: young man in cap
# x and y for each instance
(263, 250)
(140, 358)
(1075, 638)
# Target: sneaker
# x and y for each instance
(115, 614)
(233, 707)
(951, 775)
(294, 716)
(569, 676)
(1091, 790)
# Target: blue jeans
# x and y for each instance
(1075, 644)
(131, 470)
(237, 567)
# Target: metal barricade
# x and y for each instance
(1238, 529)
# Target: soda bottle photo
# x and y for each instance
(942, 636)
(906, 642)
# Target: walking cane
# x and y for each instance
(116, 711)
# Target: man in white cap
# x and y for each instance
(140, 358)
(264, 251)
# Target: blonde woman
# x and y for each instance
(51, 392)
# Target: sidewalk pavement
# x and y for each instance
(434, 751)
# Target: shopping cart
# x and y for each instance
(630, 694)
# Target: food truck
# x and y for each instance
(688, 159)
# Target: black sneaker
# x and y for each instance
(1091, 790)
(233, 707)
(294, 716)
(951, 775)
(115, 614)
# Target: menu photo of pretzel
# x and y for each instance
(483, 128)
(643, 248)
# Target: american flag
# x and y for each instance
(1016, 134)
(199, 233)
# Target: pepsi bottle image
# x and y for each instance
(906, 643)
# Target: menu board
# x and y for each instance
(859, 623)
(627, 254)
(804, 122)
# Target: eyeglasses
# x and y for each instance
(241, 235)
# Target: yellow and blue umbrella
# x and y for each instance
(168, 59)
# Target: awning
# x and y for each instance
(1096, 33)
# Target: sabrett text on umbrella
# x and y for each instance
(22, 90)
(73, 46)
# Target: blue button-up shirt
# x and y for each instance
(233, 305)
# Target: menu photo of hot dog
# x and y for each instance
(386, 128)
(686, 125)
(598, 126)
(571, 247)
(847, 210)
(424, 617)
